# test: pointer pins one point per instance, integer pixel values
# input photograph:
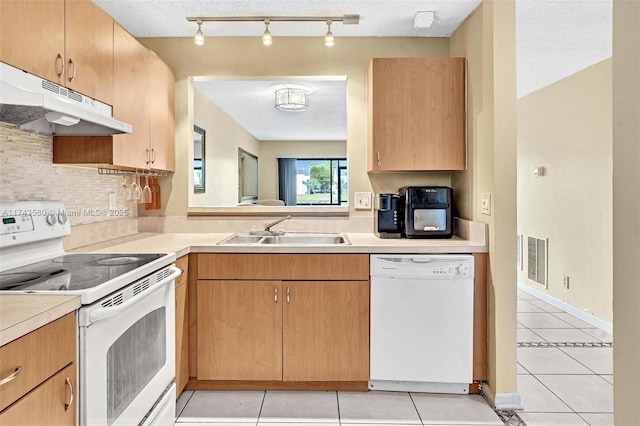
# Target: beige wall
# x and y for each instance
(270, 151)
(567, 129)
(223, 138)
(307, 56)
(487, 39)
(626, 211)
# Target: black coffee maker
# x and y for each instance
(387, 220)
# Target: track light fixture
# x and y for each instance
(199, 38)
(329, 41)
(267, 39)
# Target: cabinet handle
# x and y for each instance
(288, 295)
(378, 156)
(59, 58)
(275, 294)
(73, 76)
(11, 376)
(147, 156)
(66, 406)
(153, 158)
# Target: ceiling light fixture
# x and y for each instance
(199, 38)
(329, 41)
(423, 19)
(267, 40)
(291, 99)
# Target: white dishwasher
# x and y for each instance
(421, 323)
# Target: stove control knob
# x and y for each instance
(62, 218)
(462, 270)
(51, 218)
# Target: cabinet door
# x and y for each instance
(129, 104)
(162, 121)
(182, 338)
(326, 331)
(32, 36)
(46, 404)
(239, 330)
(416, 114)
(89, 50)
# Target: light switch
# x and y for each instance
(363, 200)
(485, 199)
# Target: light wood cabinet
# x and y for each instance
(287, 318)
(67, 42)
(42, 364)
(145, 98)
(182, 327)
(416, 114)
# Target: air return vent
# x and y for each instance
(537, 260)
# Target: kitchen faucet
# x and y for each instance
(267, 227)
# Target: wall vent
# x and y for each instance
(537, 260)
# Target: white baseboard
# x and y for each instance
(601, 324)
(502, 401)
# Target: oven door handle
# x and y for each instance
(104, 313)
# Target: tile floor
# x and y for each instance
(561, 379)
(332, 409)
(560, 382)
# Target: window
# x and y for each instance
(313, 181)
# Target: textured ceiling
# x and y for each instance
(555, 38)
(251, 104)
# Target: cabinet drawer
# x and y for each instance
(183, 264)
(46, 404)
(40, 354)
(284, 266)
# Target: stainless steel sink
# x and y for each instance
(286, 239)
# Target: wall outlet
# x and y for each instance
(363, 200)
(485, 200)
(565, 281)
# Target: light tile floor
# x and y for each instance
(559, 385)
(562, 385)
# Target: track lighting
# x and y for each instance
(267, 40)
(329, 41)
(199, 38)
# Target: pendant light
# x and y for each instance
(329, 41)
(199, 38)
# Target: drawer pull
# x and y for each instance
(11, 376)
(66, 406)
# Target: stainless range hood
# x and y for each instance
(38, 105)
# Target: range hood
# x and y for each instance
(40, 106)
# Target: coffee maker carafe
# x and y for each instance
(388, 216)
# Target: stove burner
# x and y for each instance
(8, 281)
(74, 258)
(85, 280)
(117, 261)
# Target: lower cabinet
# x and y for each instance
(270, 324)
(182, 327)
(51, 403)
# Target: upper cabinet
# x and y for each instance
(416, 114)
(69, 43)
(144, 97)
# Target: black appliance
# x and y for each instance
(388, 216)
(428, 211)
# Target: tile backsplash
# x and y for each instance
(27, 172)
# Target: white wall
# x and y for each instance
(567, 129)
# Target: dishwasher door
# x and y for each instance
(421, 323)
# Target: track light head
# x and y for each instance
(329, 41)
(267, 40)
(199, 37)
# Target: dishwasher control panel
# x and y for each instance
(422, 266)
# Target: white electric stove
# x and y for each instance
(126, 325)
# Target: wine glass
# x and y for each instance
(146, 192)
(124, 192)
(135, 189)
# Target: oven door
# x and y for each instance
(127, 347)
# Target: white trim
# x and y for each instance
(502, 401)
(577, 312)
